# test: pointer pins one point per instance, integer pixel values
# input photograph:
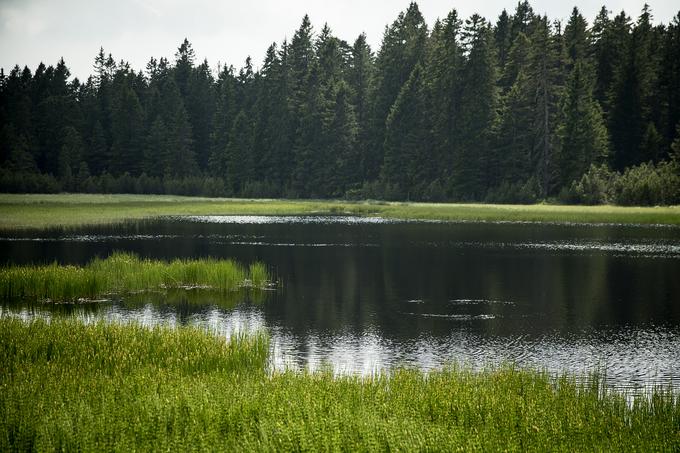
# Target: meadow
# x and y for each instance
(125, 273)
(67, 385)
(21, 212)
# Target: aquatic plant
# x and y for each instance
(123, 273)
(71, 386)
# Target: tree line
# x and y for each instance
(515, 111)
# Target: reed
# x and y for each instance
(124, 273)
(71, 386)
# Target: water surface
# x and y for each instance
(363, 295)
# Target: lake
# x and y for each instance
(364, 295)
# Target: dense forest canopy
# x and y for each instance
(521, 109)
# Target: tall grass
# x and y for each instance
(125, 272)
(18, 212)
(70, 386)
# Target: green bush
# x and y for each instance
(594, 187)
(12, 182)
(648, 185)
(514, 193)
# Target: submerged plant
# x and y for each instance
(123, 273)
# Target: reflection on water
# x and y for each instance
(364, 295)
(629, 357)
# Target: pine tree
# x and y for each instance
(444, 63)
(184, 65)
(15, 147)
(70, 156)
(583, 135)
(577, 39)
(127, 133)
(239, 155)
(360, 78)
(157, 150)
(544, 78)
(308, 147)
(183, 159)
(475, 167)
(273, 138)
(515, 140)
(407, 158)
(403, 47)
(201, 108)
(223, 120)
(340, 131)
(180, 137)
(669, 83)
(98, 150)
(502, 38)
(630, 96)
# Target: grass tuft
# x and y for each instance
(123, 273)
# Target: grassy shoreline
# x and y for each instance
(21, 212)
(70, 386)
(123, 273)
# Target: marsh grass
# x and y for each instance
(125, 273)
(20, 212)
(70, 386)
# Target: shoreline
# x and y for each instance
(28, 211)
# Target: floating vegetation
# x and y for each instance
(72, 386)
(126, 273)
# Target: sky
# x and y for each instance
(226, 31)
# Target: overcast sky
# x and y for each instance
(224, 31)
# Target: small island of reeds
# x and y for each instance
(124, 273)
(67, 385)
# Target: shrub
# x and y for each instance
(516, 192)
(594, 187)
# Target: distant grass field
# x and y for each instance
(71, 210)
(124, 273)
(69, 386)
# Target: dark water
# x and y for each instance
(364, 295)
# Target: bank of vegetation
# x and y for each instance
(70, 386)
(31, 212)
(122, 273)
(515, 111)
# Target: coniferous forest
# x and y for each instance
(516, 110)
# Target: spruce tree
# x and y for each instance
(360, 79)
(475, 167)
(403, 47)
(544, 78)
(127, 133)
(502, 38)
(630, 96)
(577, 39)
(341, 131)
(157, 151)
(669, 83)
(238, 154)
(407, 163)
(444, 66)
(223, 120)
(583, 135)
(201, 108)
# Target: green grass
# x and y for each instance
(124, 273)
(69, 386)
(70, 210)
